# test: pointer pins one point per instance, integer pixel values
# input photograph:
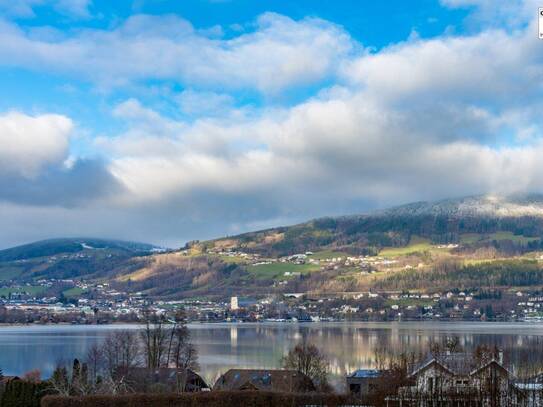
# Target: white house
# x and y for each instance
(459, 379)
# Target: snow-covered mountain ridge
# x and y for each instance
(494, 206)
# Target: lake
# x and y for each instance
(347, 345)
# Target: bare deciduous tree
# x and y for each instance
(95, 361)
(308, 359)
(121, 350)
(110, 368)
(154, 337)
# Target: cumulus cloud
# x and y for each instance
(37, 170)
(280, 53)
(28, 143)
(78, 185)
(495, 66)
(421, 119)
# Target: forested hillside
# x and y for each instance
(467, 243)
(444, 222)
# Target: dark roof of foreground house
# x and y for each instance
(7, 379)
(268, 380)
(141, 378)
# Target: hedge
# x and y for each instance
(211, 399)
(20, 393)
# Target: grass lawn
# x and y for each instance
(276, 270)
(470, 238)
(327, 254)
(233, 259)
(9, 272)
(405, 302)
(73, 292)
(32, 290)
(418, 246)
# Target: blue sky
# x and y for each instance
(167, 121)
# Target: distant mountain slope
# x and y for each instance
(493, 206)
(54, 247)
(426, 243)
(441, 221)
(70, 258)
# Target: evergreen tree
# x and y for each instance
(76, 371)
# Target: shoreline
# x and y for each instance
(449, 323)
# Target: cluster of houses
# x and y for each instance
(453, 379)
(112, 305)
(365, 264)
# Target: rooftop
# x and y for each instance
(365, 373)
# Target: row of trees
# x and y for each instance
(108, 368)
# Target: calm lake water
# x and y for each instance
(348, 346)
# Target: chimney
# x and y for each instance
(500, 357)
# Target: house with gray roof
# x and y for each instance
(144, 380)
(280, 380)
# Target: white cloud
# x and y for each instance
(197, 103)
(279, 54)
(491, 66)
(28, 143)
(421, 119)
(510, 13)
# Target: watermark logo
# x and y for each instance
(541, 23)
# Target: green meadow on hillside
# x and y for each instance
(327, 254)
(31, 290)
(73, 292)
(416, 245)
(276, 270)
